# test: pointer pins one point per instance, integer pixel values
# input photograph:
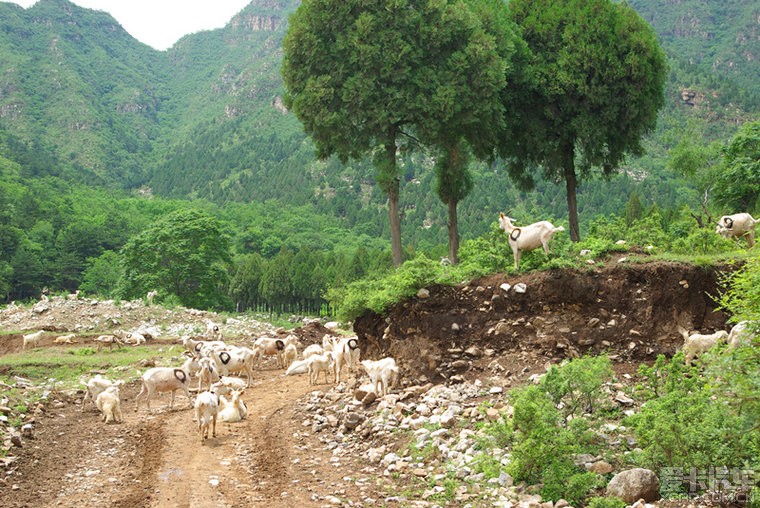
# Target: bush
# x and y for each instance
(689, 420)
(543, 449)
(606, 502)
(576, 385)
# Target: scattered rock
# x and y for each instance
(635, 484)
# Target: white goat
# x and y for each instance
(207, 347)
(134, 338)
(31, 339)
(320, 363)
(346, 353)
(313, 349)
(213, 332)
(739, 334)
(109, 340)
(530, 237)
(207, 373)
(206, 411)
(289, 355)
(737, 226)
(267, 346)
(299, 367)
(109, 403)
(696, 343)
(232, 382)
(382, 373)
(73, 296)
(233, 361)
(233, 410)
(150, 296)
(329, 342)
(167, 379)
(65, 339)
(94, 387)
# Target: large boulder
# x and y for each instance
(635, 484)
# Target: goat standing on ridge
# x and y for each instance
(737, 226)
(528, 237)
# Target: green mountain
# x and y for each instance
(82, 100)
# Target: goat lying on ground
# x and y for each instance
(133, 338)
(167, 379)
(233, 410)
(109, 403)
(312, 349)
(31, 339)
(737, 226)
(206, 411)
(298, 367)
(533, 236)
(382, 373)
(65, 339)
(696, 343)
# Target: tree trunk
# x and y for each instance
(392, 185)
(570, 186)
(453, 233)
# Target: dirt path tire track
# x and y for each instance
(155, 459)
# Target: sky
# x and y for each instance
(160, 23)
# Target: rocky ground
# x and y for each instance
(460, 349)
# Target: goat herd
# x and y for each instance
(538, 234)
(216, 366)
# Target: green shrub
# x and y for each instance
(577, 384)
(543, 448)
(741, 291)
(606, 502)
(690, 420)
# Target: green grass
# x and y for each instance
(67, 365)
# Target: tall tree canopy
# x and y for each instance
(366, 77)
(186, 254)
(737, 182)
(597, 76)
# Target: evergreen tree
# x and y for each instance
(364, 77)
(597, 75)
(634, 210)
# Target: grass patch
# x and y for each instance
(67, 366)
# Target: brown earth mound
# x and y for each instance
(630, 311)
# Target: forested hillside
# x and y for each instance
(100, 136)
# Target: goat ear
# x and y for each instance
(501, 215)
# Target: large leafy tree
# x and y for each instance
(366, 77)
(185, 254)
(737, 180)
(460, 137)
(597, 75)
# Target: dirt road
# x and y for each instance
(155, 459)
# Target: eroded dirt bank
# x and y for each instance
(629, 310)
